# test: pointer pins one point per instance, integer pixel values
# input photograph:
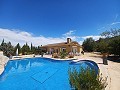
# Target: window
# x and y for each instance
(64, 49)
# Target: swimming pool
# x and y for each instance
(39, 74)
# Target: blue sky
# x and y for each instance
(55, 20)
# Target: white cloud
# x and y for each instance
(80, 42)
(94, 37)
(17, 36)
(101, 28)
(114, 23)
(71, 32)
(115, 20)
(111, 25)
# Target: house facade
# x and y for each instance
(69, 46)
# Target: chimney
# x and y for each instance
(69, 40)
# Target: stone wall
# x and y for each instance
(3, 61)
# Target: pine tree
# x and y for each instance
(31, 47)
(7, 48)
(25, 49)
(2, 42)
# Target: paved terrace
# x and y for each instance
(112, 70)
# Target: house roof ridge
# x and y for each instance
(55, 44)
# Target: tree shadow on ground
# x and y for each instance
(96, 56)
(114, 58)
(99, 63)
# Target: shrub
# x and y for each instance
(86, 79)
(63, 54)
(55, 55)
(71, 56)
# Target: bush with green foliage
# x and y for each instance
(89, 45)
(25, 49)
(108, 43)
(63, 54)
(86, 79)
(55, 55)
(112, 38)
(114, 45)
(102, 45)
(7, 48)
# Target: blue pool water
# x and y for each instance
(39, 74)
